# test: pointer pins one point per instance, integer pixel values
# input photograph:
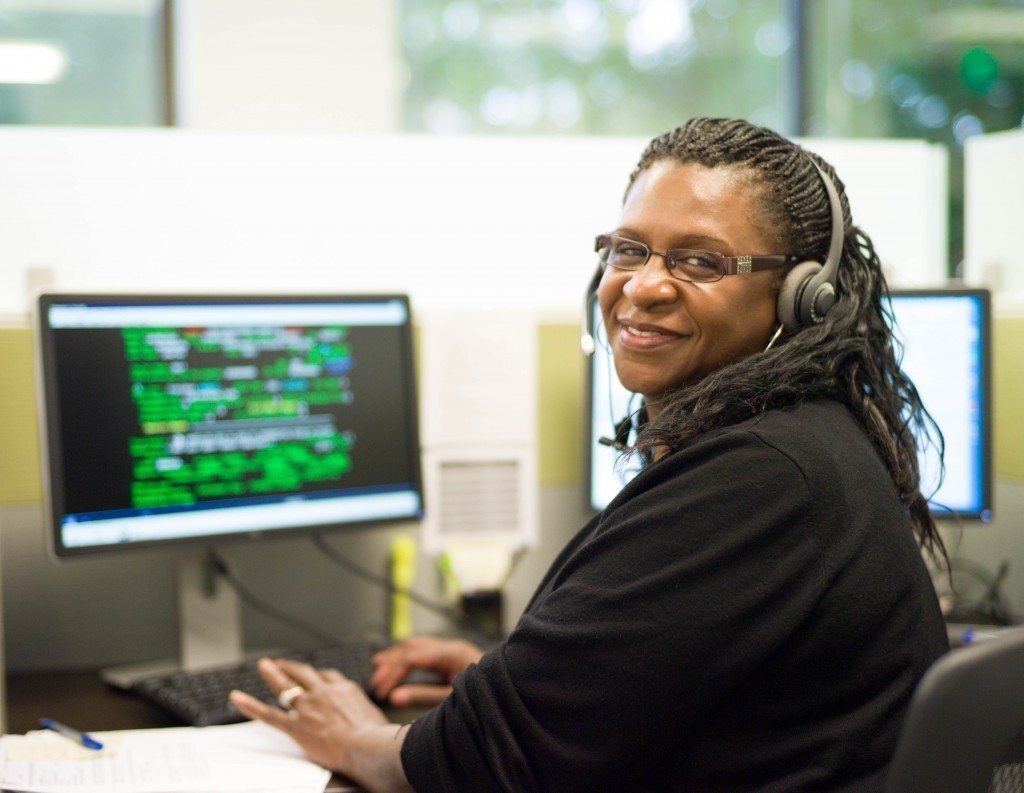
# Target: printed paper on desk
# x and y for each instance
(239, 757)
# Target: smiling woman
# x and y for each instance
(752, 611)
(665, 328)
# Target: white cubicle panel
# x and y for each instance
(455, 221)
(993, 203)
(478, 403)
(898, 194)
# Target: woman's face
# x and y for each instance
(665, 332)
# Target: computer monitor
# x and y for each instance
(946, 340)
(945, 335)
(174, 419)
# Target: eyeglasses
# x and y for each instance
(683, 263)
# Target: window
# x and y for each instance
(92, 62)
(931, 69)
(617, 67)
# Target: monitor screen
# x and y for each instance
(946, 351)
(187, 418)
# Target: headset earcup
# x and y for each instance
(816, 305)
(791, 291)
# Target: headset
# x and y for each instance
(806, 296)
(809, 290)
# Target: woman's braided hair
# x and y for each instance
(851, 357)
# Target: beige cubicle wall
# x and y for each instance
(19, 434)
(1008, 398)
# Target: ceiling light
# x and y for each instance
(31, 63)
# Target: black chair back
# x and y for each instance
(964, 731)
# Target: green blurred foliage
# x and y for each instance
(939, 70)
(617, 67)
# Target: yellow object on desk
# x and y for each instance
(403, 573)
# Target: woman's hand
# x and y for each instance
(333, 721)
(447, 657)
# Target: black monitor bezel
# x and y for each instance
(50, 431)
(984, 514)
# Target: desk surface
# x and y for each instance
(77, 698)
(83, 700)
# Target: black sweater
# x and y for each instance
(749, 613)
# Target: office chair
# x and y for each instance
(964, 731)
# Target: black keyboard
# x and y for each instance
(200, 697)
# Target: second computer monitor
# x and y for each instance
(945, 339)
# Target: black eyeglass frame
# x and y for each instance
(728, 265)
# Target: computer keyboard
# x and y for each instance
(200, 697)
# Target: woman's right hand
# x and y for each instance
(446, 657)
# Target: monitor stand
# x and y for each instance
(209, 625)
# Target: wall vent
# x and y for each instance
(479, 496)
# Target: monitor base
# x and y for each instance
(124, 676)
(209, 625)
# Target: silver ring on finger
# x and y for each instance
(287, 697)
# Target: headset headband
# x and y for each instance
(816, 302)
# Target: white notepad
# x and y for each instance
(249, 757)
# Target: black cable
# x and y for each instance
(622, 429)
(990, 606)
(265, 608)
(384, 582)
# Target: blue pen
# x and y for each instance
(70, 732)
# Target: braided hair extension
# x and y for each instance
(851, 357)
